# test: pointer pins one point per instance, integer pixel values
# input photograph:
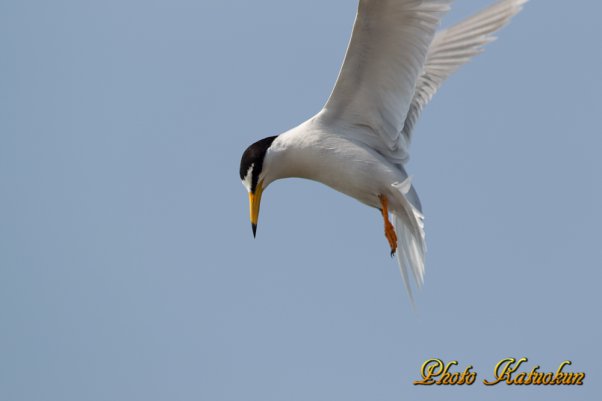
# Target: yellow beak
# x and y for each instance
(254, 202)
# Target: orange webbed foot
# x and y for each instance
(389, 229)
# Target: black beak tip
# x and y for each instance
(254, 227)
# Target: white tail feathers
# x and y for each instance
(411, 245)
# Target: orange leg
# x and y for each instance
(389, 229)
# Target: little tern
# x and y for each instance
(358, 143)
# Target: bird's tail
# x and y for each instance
(409, 227)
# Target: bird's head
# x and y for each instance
(253, 175)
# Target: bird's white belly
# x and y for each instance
(345, 166)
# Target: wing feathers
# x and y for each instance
(453, 47)
(385, 57)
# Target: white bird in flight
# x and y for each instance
(358, 143)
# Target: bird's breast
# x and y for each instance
(345, 166)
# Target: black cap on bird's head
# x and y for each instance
(251, 165)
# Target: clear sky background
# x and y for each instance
(127, 266)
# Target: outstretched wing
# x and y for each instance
(453, 47)
(377, 81)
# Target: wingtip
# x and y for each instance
(517, 5)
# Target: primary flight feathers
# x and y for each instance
(453, 47)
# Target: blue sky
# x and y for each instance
(128, 270)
